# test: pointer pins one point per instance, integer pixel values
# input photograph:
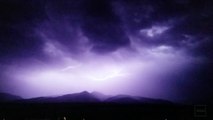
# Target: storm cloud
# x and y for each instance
(126, 38)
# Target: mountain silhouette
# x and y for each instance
(6, 97)
(134, 99)
(85, 97)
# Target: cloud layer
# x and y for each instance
(158, 49)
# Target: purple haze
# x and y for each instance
(105, 46)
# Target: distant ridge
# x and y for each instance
(100, 96)
(6, 97)
(122, 99)
(85, 97)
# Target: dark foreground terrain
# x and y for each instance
(100, 111)
(89, 106)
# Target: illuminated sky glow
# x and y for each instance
(120, 72)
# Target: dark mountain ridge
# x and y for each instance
(84, 97)
(5, 97)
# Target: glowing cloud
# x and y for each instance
(119, 72)
(154, 30)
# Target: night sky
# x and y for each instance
(149, 48)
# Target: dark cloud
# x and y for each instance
(184, 17)
(144, 13)
(95, 18)
(103, 26)
(195, 84)
(17, 21)
(105, 23)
